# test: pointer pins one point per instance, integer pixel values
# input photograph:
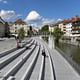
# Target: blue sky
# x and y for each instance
(49, 11)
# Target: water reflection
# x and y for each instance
(71, 51)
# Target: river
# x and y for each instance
(71, 51)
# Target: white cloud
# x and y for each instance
(4, 1)
(36, 27)
(47, 21)
(33, 16)
(7, 15)
(59, 19)
(37, 20)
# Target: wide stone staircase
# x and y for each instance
(26, 63)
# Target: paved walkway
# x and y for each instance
(63, 70)
(24, 64)
(27, 64)
(6, 44)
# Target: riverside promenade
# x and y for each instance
(63, 70)
(27, 63)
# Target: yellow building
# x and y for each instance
(52, 27)
(14, 27)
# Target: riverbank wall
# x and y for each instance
(70, 61)
(70, 42)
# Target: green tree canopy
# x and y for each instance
(30, 32)
(30, 28)
(21, 34)
(57, 33)
(45, 29)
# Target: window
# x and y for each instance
(15, 27)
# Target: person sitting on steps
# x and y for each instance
(17, 45)
(43, 52)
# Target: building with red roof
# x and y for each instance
(14, 27)
(70, 27)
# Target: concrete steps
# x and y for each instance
(10, 57)
(18, 65)
(25, 69)
(7, 61)
(27, 63)
(49, 73)
(4, 53)
(16, 61)
(37, 69)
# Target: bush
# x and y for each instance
(66, 38)
(58, 34)
(21, 34)
(78, 39)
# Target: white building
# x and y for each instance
(14, 27)
(69, 29)
(66, 27)
(52, 27)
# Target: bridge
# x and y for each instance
(27, 63)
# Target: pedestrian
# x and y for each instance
(17, 44)
(43, 52)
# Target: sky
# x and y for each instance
(39, 12)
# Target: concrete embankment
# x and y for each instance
(70, 42)
(63, 69)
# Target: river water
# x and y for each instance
(71, 51)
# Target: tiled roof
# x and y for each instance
(66, 21)
(53, 25)
(19, 21)
(75, 19)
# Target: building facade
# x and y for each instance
(4, 28)
(71, 28)
(52, 27)
(76, 27)
(14, 27)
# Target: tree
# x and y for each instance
(45, 29)
(30, 32)
(57, 33)
(21, 34)
(30, 28)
